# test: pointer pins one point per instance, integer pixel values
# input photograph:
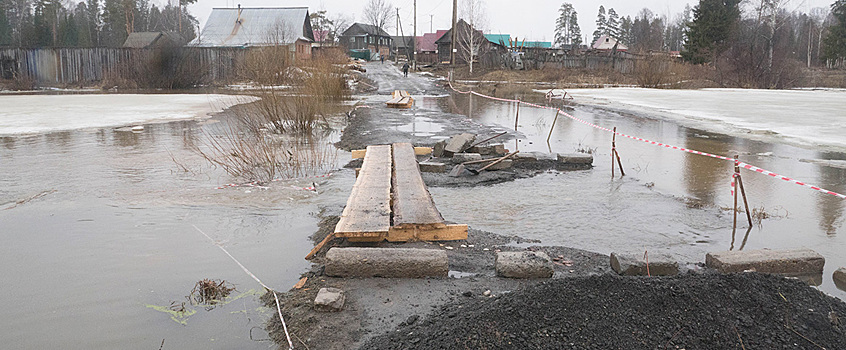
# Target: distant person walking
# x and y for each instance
(405, 69)
(382, 58)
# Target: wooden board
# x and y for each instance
(412, 203)
(418, 151)
(368, 210)
(445, 233)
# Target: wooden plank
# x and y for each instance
(415, 233)
(368, 210)
(412, 203)
(418, 151)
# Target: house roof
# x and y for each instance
(149, 39)
(403, 41)
(427, 41)
(501, 39)
(606, 42)
(362, 29)
(538, 44)
(257, 26)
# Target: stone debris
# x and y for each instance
(459, 158)
(575, 158)
(386, 262)
(438, 149)
(329, 300)
(792, 262)
(635, 264)
(840, 278)
(523, 264)
(458, 144)
(433, 167)
(491, 150)
(503, 165)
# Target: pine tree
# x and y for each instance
(567, 25)
(601, 24)
(708, 34)
(834, 45)
(612, 28)
(575, 31)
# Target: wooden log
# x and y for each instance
(368, 209)
(422, 233)
(412, 203)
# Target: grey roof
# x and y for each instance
(255, 26)
(361, 28)
(141, 39)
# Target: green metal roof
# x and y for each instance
(538, 44)
(498, 38)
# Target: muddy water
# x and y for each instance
(96, 260)
(669, 201)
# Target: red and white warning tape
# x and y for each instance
(741, 164)
(256, 183)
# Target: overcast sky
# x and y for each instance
(531, 19)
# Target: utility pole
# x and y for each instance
(396, 56)
(454, 29)
(414, 39)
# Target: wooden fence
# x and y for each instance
(65, 66)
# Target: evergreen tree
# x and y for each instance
(834, 45)
(612, 28)
(625, 34)
(567, 31)
(601, 24)
(5, 26)
(709, 33)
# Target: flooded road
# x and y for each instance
(98, 239)
(669, 201)
(99, 228)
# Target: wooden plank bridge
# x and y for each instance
(389, 201)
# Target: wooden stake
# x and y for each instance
(553, 126)
(517, 118)
(615, 154)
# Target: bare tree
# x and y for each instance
(378, 13)
(340, 23)
(469, 39)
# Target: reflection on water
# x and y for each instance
(634, 212)
(116, 236)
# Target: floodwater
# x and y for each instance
(669, 201)
(107, 232)
(110, 239)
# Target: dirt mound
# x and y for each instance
(694, 311)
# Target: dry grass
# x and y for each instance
(209, 292)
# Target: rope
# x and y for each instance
(278, 307)
(743, 165)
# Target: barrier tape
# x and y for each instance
(743, 165)
(256, 183)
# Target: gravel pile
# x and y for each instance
(693, 311)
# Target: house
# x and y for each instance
(260, 26)
(361, 37)
(606, 43)
(403, 46)
(148, 40)
(502, 39)
(427, 51)
(537, 44)
(489, 52)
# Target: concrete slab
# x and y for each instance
(438, 149)
(386, 262)
(635, 264)
(488, 150)
(329, 299)
(433, 167)
(575, 158)
(503, 165)
(793, 262)
(840, 278)
(459, 158)
(523, 264)
(458, 143)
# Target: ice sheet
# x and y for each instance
(802, 117)
(31, 114)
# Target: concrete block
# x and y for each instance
(386, 262)
(575, 158)
(458, 143)
(329, 299)
(433, 167)
(840, 278)
(793, 262)
(438, 149)
(523, 264)
(635, 265)
(459, 158)
(488, 150)
(503, 165)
